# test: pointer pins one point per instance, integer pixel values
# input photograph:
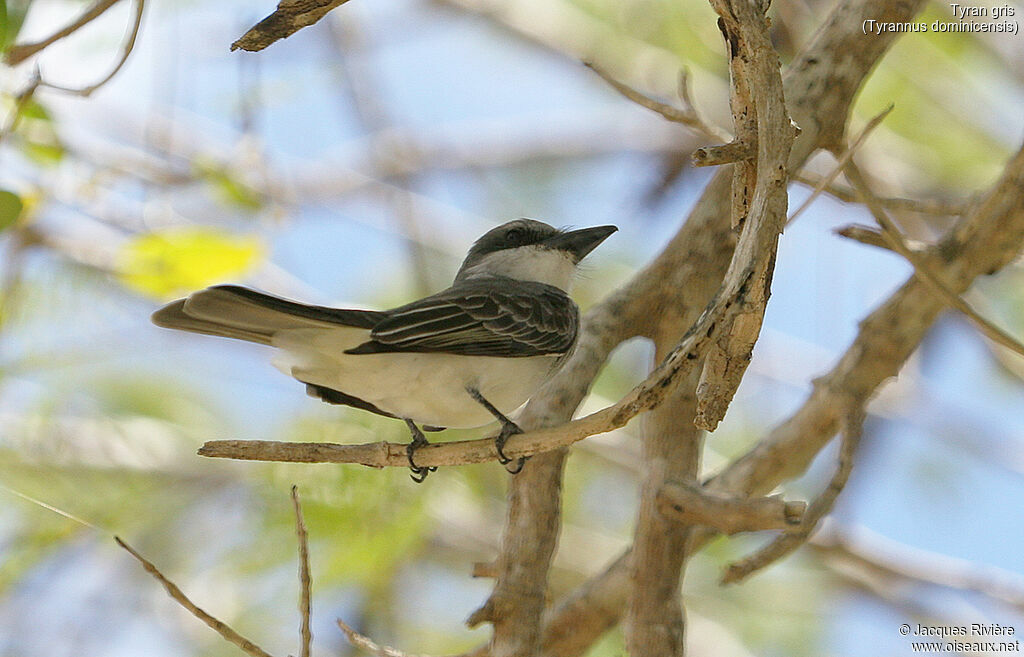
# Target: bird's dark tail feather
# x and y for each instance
(236, 312)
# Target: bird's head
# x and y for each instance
(530, 250)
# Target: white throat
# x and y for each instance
(527, 263)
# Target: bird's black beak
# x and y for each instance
(580, 242)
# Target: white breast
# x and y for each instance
(426, 388)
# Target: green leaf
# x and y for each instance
(10, 209)
(180, 260)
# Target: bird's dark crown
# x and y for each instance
(511, 235)
(547, 249)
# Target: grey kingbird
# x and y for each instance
(460, 358)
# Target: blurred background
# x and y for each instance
(353, 164)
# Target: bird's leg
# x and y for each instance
(508, 429)
(418, 440)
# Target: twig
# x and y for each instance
(872, 236)
(729, 514)
(305, 582)
(687, 116)
(126, 49)
(289, 17)
(367, 644)
(686, 98)
(22, 51)
(733, 151)
(385, 454)
(216, 625)
(924, 267)
(789, 541)
(921, 206)
(50, 507)
(843, 159)
(20, 102)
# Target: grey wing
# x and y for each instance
(481, 318)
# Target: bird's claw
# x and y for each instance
(508, 428)
(507, 431)
(419, 473)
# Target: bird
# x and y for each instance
(461, 358)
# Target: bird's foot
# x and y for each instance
(508, 429)
(418, 440)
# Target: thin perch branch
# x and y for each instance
(305, 582)
(218, 626)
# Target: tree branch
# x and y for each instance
(126, 49)
(218, 626)
(22, 51)
(984, 242)
(654, 623)
(305, 581)
(820, 85)
(645, 396)
(925, 268)
(794, 537)
(727, 153)
(729, 514)
(935, 207)
(758, 192)
(843, 159)
(368, 645)
(289, 17)
(687, 116)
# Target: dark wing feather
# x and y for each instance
(481, 317)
